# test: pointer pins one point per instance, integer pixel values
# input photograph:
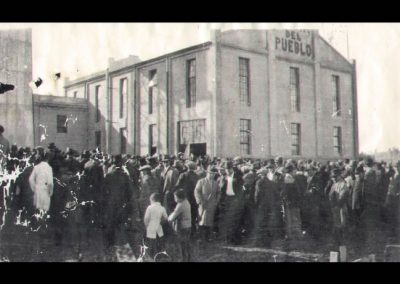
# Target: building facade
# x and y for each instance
(250, 93)
(16, 107)
(60, 120)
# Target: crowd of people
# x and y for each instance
(183, 199)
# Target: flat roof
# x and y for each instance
(98, 75)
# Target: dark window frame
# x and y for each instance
(245, 132)
(97, 135)
(191, 83)
(122, 94)
(244, 77)
(294, 87)
(295, 132)
(62, 125)
(337, 140)
(335, 80)
(152, 138)
(152, 76)
(123, 140)
(96, 99)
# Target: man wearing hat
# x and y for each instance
(187, 181)
(338, 197)
(372, 212)
(119, 203)
(266, 203)
(291, 202)
(170, 178)
(93, 177)
(207, 196)
(392, 204)
(357, 203)
(312, 200)
(148, 186)
(232, 203)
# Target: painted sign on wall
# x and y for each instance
(295, 42)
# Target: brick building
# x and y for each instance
(253, 93)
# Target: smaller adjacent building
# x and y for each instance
(61, 120)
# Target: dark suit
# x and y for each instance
(92, 191)
(170, 177)
(267, 207)
(118, 197)
(187, 181)
(231, 208)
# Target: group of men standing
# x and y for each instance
(231, 200)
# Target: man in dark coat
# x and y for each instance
(187, 181)
(231, 203)
(312, 203)
(372, 214)
(170, 178)
(93, 176)
(266, 201)
(117, 202)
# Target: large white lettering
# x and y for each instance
(292, 43)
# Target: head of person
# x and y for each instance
(118, 161)
(279, 161)
(167, 161)
(191, 166)
(145, 170)
(398, 166)
(212, 171)
(289, 168)
(227, 166)
(262, 172)
(179, 195)
(237, 162)
(369, 162)
(336, 174)
(155, 197)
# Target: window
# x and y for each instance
(75, 94)
(122, 94)
(96, 102)
(244, 80)
(192, 131)
(245, 136)
(62, 124)
(337, 140)
(336, 95)
(122, 133)
(294, 89)
(153, 139)
(98, 139)
(295, 132)
(152, 85)
(191, 83)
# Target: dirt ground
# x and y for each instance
(18, 244)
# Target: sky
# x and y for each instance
(79, 49)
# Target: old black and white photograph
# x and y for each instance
(199, 142)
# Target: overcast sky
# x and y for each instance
(79, 49)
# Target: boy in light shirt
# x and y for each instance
(153, 218)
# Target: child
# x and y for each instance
(154, 216)
(182, 222)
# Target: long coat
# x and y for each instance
(266, 200)
(207, 196)
(118, 189)
(41, 182)
(170, 178)
(338, 198)
(148, 186)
